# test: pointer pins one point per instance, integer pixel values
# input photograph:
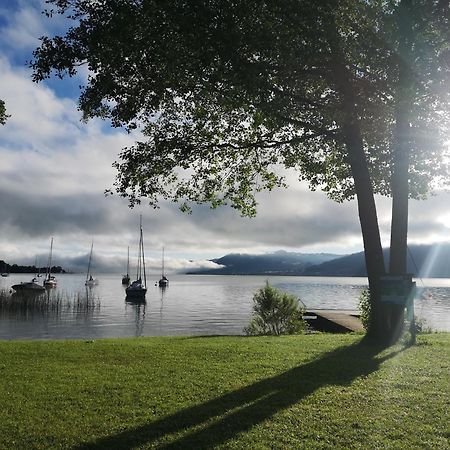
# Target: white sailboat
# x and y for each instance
(90, 280)
(164, 281)
(38, 271)
(50, 280)
(137, 289)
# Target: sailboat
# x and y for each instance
(126, 278)
(38, 270)
(90, 281)
(164, 281)
(50, 280)
(138, 288)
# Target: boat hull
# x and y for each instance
(28, 287)
(136, 291)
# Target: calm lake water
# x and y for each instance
(191, 305)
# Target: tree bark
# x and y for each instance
(401, 151)
(351, 128)
(373, 251)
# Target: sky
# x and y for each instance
(54, 170)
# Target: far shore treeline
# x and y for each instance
(15, 268)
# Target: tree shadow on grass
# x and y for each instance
(223, 418)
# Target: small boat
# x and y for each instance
(5, 274)
(126, 278)
(164, 281)
(137, 289)
(90, 281)
(29, 287)
(50, 281)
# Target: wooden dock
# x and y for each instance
(333, 320)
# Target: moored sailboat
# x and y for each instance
(90, 280)
(137, 289)
(164, 281)
(38, 271)
(50, 280)
(126, 278)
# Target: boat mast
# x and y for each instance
(128, 261)
(89, 263)
(143, 256)
(49, 263)
(162, 270)
(139, 264)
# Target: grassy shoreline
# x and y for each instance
(306, 391)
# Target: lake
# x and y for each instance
(191, 305)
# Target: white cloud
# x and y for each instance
(25, 23)
(25, 27)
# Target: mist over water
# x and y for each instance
(191, 305)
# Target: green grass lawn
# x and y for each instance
(317, 391)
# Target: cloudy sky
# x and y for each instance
(54, 170)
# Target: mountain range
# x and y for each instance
(426, 261)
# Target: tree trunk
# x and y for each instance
(351, 128)
(373, 251)
(400, 171)
(399, 223)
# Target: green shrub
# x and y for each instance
(420, 326)
(275, 312)
(364, 308)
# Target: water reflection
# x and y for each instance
(139, 317)
(140, 308)
(162, 295)
(162, 292)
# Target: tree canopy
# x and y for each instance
(3, 115)
(226, 92)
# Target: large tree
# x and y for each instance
(420, 39)
(227, 92)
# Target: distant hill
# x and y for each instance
(352, 265)
(278, 263)
(426, 261)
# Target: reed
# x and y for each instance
(49, 303)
